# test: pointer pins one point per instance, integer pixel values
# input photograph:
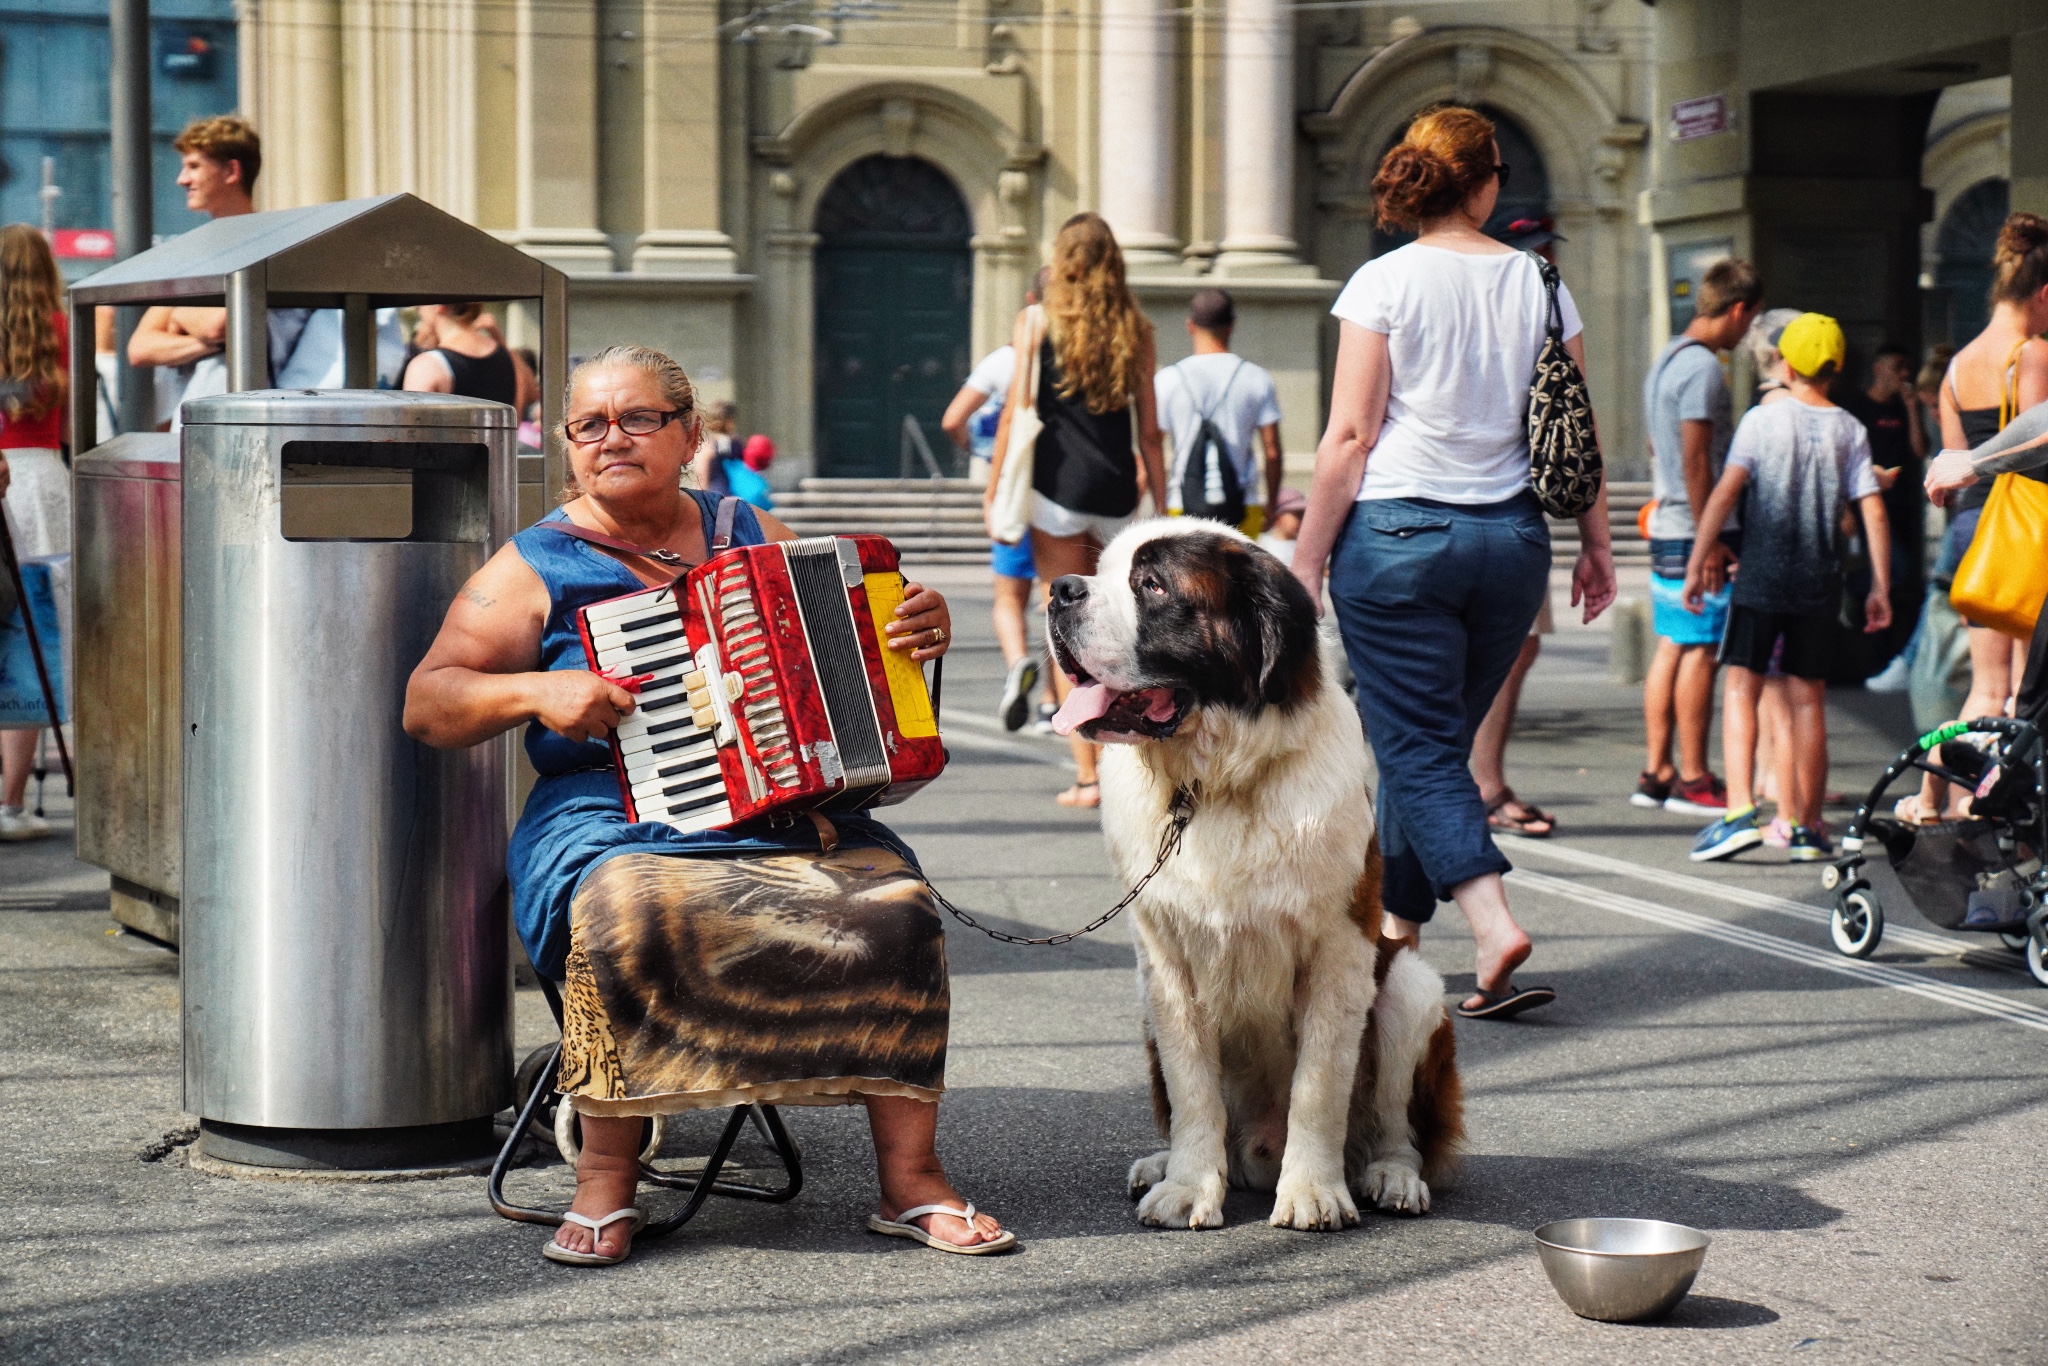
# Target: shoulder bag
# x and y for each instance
(1009, 516)
(1564, 452)
(2004, 574)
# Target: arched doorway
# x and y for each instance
(895, 284)
(1962, 275)
(1526, 195)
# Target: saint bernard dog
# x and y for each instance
(1292, 1048)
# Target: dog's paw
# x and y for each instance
(1311, 1205)
(1182, 1204)
(1396, 1187)
(1148, 1172)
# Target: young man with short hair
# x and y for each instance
(1803, 462)
(1231, 399)
(1691, 418)
(220, 160)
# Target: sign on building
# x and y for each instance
(1700, 118)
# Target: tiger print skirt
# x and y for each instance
(791, 979)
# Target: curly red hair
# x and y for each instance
(1445, 155)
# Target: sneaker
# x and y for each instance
(1015, 708)
(1043, 725)
(1651, 792)
(1779, 834)
(1734, 832)
(1893, 677)
(17, 824)
(1705, 795)
(1809, 845)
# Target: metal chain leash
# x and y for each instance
(1181, 810)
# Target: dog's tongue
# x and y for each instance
(1084, 704)
(1160, 708)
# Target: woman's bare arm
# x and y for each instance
(1151, 448)
(1593, 581)
(481, 676)
(1358, 405)
(1024, 340)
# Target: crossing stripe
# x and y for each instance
(1902, 935)
(1878, 974)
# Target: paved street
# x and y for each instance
(1861, 1140)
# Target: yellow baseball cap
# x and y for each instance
(1810, 341)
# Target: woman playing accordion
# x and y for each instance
(776, 962)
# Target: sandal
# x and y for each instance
(901, 1227)
(1499, 818)
(555, 1252)
(1910, 810)
(1507, 1005)
(1072, 796)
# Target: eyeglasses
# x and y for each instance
(588, 431)
(1500, 173)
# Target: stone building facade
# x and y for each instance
(827, 209)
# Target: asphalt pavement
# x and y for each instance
(1861, 1140)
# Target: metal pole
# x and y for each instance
(128, 23)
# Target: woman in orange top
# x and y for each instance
(35, 487)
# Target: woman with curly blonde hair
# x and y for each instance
(35, 488)
(1095, 361)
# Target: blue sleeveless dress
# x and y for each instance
(575, 819)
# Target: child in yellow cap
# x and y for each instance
(1802, 462)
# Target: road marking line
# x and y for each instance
(1939, 945)
(1880, 974)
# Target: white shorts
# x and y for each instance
(1055, 520)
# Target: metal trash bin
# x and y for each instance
(346, 982)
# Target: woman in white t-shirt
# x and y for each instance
(1438, 553)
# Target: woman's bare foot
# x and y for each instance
(1081, 794)
(607, 1177)
(946, 1228)
(1501, 950)
(907, 1168)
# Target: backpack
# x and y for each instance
(1211, 454)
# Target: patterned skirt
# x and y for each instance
(791, 979)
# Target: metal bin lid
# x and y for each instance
(346, 408)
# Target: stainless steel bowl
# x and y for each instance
(1621, 1270)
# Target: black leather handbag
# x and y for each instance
(1564, 450)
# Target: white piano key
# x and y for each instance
(635, 605)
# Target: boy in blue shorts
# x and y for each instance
(1691, 419)
(1803, 463)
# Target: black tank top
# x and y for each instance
(1979, 426)
(488, 377)
(1084, 460)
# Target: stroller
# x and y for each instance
(1983, 874)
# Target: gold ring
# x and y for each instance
(938, 635)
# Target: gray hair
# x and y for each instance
(676, 389)
(1764, 333)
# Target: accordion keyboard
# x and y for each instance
(669, 745)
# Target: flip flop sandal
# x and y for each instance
(555, 1252)
(1508, 1006)
(1497, 817)
(901, 1227)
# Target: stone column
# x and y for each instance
(1258, 140)
(786, 337)
(1135, 150)
(684, 230)
(2030, 120)
(290, 70)
(556, 137)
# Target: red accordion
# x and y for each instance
(764, 686)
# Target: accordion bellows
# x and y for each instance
(764, 686)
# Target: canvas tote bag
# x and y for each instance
(1009, 515)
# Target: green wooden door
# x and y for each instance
(894, 285)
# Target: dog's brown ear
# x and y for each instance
(1280, 620)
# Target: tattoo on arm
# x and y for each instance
(477, 597)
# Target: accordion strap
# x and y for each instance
(721, 538)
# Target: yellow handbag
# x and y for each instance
(2004, 574)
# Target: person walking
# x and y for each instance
(1889, 409)
(459, 357)
(1214, 405)
(2002, 372)
(1096, 356)
(1438, 552)
(1802, 462)
(35, 486)
(1691, 419)
(971, 420)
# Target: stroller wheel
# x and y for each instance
(2037, 961)
(1858, 923)
(2016, 942)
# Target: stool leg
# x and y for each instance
(543, 1088)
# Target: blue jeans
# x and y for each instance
(1434, 600)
